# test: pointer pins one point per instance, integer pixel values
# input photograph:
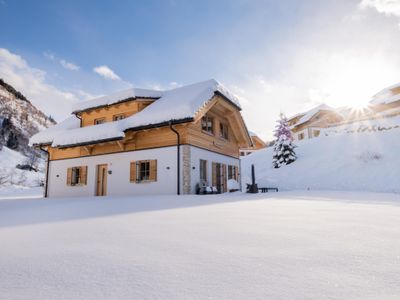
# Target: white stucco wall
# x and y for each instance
(119, 163)
(118, 182)
(210, 157)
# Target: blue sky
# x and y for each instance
(278, 56)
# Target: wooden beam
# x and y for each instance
(89, 149)
(121, 145)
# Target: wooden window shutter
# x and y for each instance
(214, 174)
(153, 170)
(84, 175)
(133, 172)
(224, 177)
(69, 176)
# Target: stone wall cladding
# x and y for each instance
(186, 188)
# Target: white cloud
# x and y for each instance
(49, 55)
(32, 83)
(106, 72)
(65, 64)
(164, 87)
(68, 65)
(387, 7)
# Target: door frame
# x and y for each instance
(101, 179)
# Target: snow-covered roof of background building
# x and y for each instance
(306, 116)
(386, 95)
(176, 105)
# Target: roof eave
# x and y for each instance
(75, 112)
(90, 143)
(227, 99)
(161, 124)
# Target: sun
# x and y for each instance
(351, 81)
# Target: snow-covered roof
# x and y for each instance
(306, 116)
(252, 133)
(46, 136)
(176, 106)
(386, 95)
(120, 96)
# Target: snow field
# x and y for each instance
(295, 245)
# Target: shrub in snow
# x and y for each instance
(369, 156)
(284, 149)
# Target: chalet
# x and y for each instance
(258, 144)
(386, 103)
(146, 142)
(308, 124)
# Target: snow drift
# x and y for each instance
(350, 160)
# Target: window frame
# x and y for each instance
(206, 119)
(143, 166)
(233, 172)
(117, 117)
(136, 171)
(223, 130)
(95, 122)
(77, 176)
(203, 170)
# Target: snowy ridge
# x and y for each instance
(368, 125)
(174, 105)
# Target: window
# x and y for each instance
(242, 153)
(233, 172)
(207, 124)
(316, 133)
(301, 136)
(77, 176)
(99, 121)
(203, 170)
(223, 131)
(118, 117)
(143, 171)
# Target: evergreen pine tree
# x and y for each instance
(283, 149)
(12, 141)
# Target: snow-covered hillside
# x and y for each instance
(12, 178)
(360, 156)
(303, 245)
(19, 120)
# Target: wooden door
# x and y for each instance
(101, 188)
(219, 177)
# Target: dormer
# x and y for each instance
(114, 107)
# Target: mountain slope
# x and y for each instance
(19, 119)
